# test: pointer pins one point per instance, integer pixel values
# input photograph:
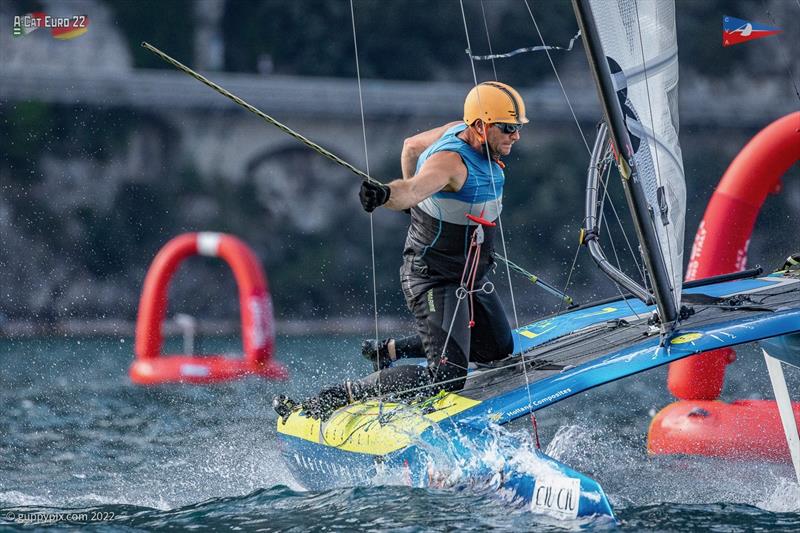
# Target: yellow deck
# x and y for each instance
(355, 428)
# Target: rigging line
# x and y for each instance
(611, 240)
(533, 278)
(284, 128)
(533, 363)
(527, 49)
(781, 48)
(447, 340)
(491, 169)
(489, 40)
(639, 268)
(616, 285)
(499, 217)
(619, 222)
(558, 78)
(606, 160)
(601, 209)
(529, 362)
(458, 300)
(408, 412)
(400, 413)
(491, 175)
(372, 214)
(562, 307)
(590, 338)
(586, 144)
(491, 172)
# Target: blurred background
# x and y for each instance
(107, 152)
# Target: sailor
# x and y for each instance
(453, 185)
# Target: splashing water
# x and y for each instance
(75, 435)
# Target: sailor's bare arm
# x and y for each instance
(415, 145)
(442, 171)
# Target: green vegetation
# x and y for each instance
(418, 39)
(171, 24)
(83, 211)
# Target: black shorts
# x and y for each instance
(449, 344)
(438, 310)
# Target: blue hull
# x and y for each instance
(543, 484)
(450, 456)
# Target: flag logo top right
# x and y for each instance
(735, 30)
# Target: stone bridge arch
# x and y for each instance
(289, 175)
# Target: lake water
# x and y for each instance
(80, 446)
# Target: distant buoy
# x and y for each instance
(258, 332)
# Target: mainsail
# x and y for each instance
(639, 89)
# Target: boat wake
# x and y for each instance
(632, 478)
(210, 485)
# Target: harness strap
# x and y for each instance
(467, 285)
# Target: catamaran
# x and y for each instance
(632, 50)
(633, 53)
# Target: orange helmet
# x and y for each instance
(492, 101)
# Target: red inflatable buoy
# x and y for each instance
(720, 245)
(744, 429)
(258, 333)
(696, 425)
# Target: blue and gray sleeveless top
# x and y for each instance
(439, 235)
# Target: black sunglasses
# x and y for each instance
(506, 128)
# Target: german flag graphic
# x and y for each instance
(77, 26)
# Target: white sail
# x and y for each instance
(639, 37)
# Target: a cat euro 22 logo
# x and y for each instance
(61, 28)
(735, 31)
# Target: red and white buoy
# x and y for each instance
(258, 332)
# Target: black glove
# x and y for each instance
(377, 352)
(373, 194)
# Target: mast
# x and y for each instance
(637, 202)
